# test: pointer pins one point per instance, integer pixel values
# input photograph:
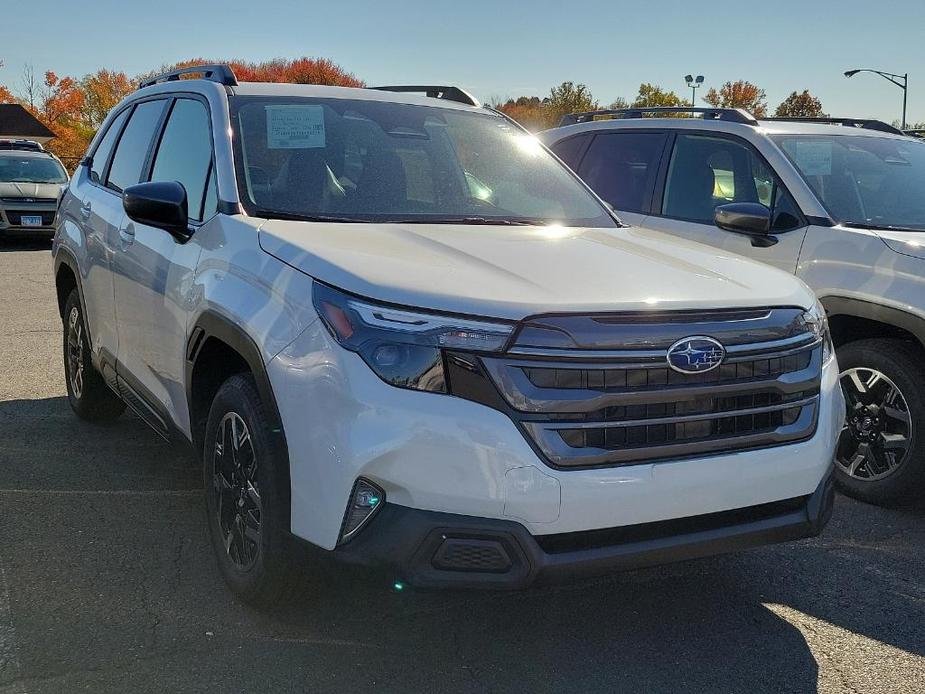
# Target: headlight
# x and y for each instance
(404, 346)
(816, 322)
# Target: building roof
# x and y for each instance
(17, 123)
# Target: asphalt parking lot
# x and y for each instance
(107, 583)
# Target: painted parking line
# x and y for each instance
(102, 492)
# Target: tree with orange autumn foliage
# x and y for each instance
(739, 94)
(293, 70)
(74, 109)
(102, 91)
(6, 96)
(529, 111)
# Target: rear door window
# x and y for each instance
(622, 168)
(132, 150)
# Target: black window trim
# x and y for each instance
(148, 167)
(658, 197)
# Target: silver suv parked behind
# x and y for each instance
(838, 202)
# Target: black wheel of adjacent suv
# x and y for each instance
(90, 397)
(247, 481)
(881, 454)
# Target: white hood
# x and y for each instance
(905, 242)
(513, 272)
(31, 190)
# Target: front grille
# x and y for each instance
(610, 405)
(15, 216)
(43, 201)
(470, 554)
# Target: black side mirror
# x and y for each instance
(160, 204)
(751, 218)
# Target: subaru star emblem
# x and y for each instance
(696, 354)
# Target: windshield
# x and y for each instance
(863, 181)
(373, 161)
(23, 169)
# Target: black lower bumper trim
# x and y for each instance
(441, 550)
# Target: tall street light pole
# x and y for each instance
(693, 83)
(904, 85)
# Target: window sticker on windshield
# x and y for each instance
(291, 126)
(814, 158)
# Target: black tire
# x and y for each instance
(90, 397)
(256, 562)
(903, 366)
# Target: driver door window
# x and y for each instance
(706, 171)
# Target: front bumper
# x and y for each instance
(11, 214)
(443, 454)
(441, 550)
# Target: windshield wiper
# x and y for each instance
(468, 219)
(882, 227)
(462, 219)
(295, 216)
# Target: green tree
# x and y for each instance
(803, 105)
(568, 97)
(739, 94)
(654, 95)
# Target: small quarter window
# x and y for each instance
(570, 150)
(104, 149)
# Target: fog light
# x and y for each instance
(365, 500)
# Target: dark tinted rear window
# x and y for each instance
(621, 168)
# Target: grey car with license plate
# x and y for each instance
(31, 184)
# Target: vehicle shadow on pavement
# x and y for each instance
(10, 245)
(112, 580)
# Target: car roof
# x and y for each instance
(764, 127)
(29, 153)
(807, 128)
(283, 89)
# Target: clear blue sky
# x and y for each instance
(501, 49)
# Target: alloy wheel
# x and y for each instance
(234, 480)
(75, 352)
(877, 435)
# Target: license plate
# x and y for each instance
(31, 221)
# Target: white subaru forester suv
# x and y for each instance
(396, 328)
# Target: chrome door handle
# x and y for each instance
(127, 234)
(85, 210)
